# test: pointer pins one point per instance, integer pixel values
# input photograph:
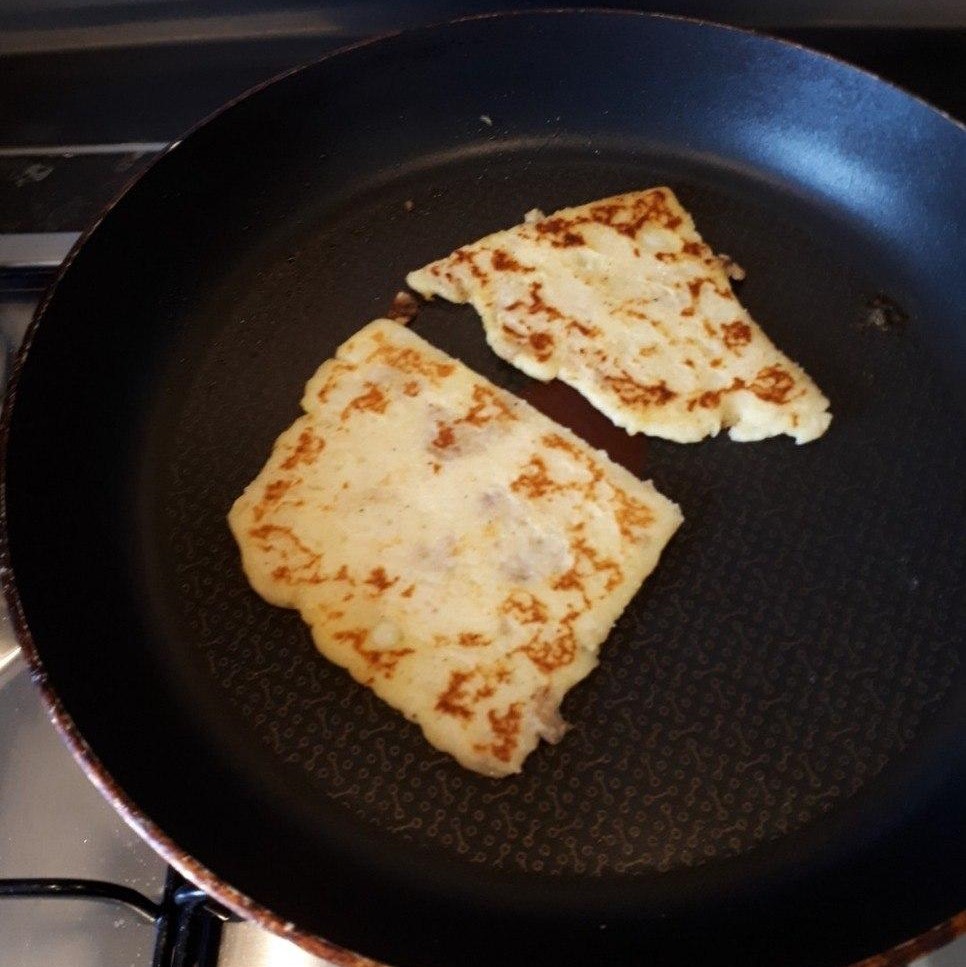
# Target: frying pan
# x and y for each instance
(768, 766)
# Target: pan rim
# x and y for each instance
(80, 750)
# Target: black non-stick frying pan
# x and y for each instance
(768, 766)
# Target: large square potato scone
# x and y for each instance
(622, 300)
(457, 551)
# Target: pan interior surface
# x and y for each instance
(779, 700)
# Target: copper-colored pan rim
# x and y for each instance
(244, 906)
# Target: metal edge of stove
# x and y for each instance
(9, 649)
(28, 264)
(34, 250)
(19, 284)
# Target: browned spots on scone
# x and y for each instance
(535, 481)
(694, 288)
(343, 575)
(629, 216)
(568, 239)
(635, 393)
(355, 636)
(466, 257)
(631, 515)
(559, 232)
(601, 565)
(473, 639)
(445, 437)
(694, 248)
(307, 448)
(383, 661)
(542, 343)
(503, 261)
(736, 334)
(506, 728)
(379, 580)
(412, 388)
(549, 654)
(454, 698)
(513, 334)
(408, 593)
(272, 494)
(540, 305)
(588, 331)
(336, 369)
(410, 361)
(525, 607)
(557, 442)
(716, 362)
(587, 562)
(707, 400)
(488, 405)
(710, 399)
(773, 384)
(466, 689)
(276, 537)
(373, 400)
(708, 329)
(537, 305)
(626, 216)
(286, 575)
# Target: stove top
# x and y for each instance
(79, 125)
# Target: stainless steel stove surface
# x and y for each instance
(55, 175)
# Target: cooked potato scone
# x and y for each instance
(458, 552)
(623, 300)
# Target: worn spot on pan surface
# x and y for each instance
(789, 647)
